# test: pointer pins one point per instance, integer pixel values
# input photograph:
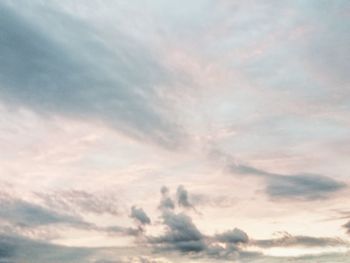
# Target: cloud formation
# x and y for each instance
(115, 88)
(117, 98)
(181, 237)
(181, 234)
(182, 197)
(140, 215)
(293, 186)
(288, 240)
(23, 213)
(166, 202)
(19, 249)
(233, 236)
(79, 201)
(347, 227)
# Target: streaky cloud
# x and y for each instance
(293, 186)
(288, 240)
(83, 78)
(23, 213)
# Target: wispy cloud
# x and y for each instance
(115, 88)
(302, 186)
(103, 103)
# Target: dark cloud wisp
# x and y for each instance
(293, 186)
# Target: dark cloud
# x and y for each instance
(19, 249)
(294, 186)
(30, 219)
(308, 186)
(347, 227)
(23, 213)
(7, 250)
(82, 78)
(233, 236)
(166, 202)
(182, 197)
(288, 240)
(181, 234)
(140, 215)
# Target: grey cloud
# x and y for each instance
(81, 201)
(164, 190)
(182, 197)
(181, 234)
(295, 186)
(140, 215)
(83, 77)
(26, 218)
(308, 186)
(288, 240)
(19, 249)
(127, 231)
(347, 227)
(220, 200)
(233, 236)
(23, 213)
(166, 202)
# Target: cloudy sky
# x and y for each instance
(174, 131)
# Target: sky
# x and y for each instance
(158, 131)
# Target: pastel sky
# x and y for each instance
(158, 131)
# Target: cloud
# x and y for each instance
(127, 231)
(19, 249)
(293, 186)
(81, 201)
(75, 73)
(288, 240)
(140, 215)
(347, 227)
(308, 186)
(182, 197)
(181, 234)
(233, 236)
(27, 214)
(166, 202)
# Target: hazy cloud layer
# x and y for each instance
(115, 86)
(23, 213)
(81, 202)
(181, 238)
(104, 103)
(19, 249)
